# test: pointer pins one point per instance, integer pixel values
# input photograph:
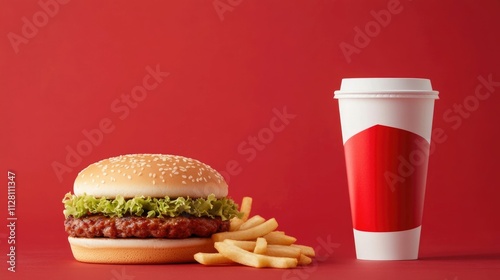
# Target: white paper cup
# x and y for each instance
(386, 129)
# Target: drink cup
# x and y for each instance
(386, 130)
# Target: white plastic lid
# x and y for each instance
(386, 88)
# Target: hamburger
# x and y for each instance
(146, 208)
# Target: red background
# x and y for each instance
(229, 73)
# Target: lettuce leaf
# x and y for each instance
(79, 206)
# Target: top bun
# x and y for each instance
(153, 175)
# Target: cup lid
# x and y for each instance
(386, 88)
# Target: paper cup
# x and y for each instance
(386, 129)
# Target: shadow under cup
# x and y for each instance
(386, 127)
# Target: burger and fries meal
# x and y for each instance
(154, 208)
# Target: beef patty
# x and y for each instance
(142, 227)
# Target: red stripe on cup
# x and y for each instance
(386, 170)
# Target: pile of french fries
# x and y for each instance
(254, 241)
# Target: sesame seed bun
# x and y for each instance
(153, 175)
(138, 251)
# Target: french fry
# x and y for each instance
(304, 260)
(235, 224)
(241, 256)
(245, 245)
(212, 259)
(253, 221)
(248, 234)
(272, 250)
(283, 251)
(246, 207)
(279, 238)
(306, 250)
(260, 246)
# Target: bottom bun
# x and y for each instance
(138, 251)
